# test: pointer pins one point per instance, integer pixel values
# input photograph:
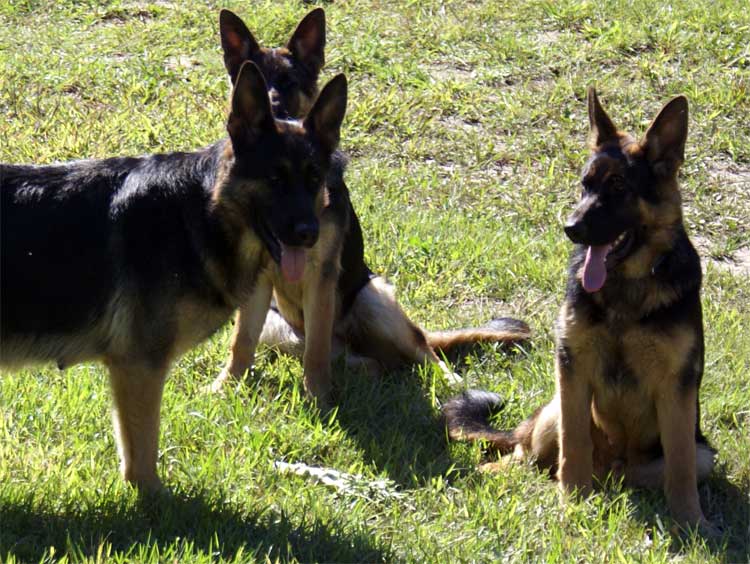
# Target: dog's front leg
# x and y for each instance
(137, 392)
(319, 311)
(247, 328)
(676, 409)
(576, 464)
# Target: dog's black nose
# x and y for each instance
(576, 231)
(306, 233)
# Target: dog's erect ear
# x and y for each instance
(251, 110)
(664, 142)
(238, 43)
(602, 128)
(308, 41)
(325, 117)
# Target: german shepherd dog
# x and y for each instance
(133, 261)
(338, 305)
(629, 353)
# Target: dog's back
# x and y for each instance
(66, 265)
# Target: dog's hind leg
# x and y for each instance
(247, 329)
(651, 474)
(383, 331)
(280, 335)
(137, 392)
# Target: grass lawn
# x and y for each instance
(466, 127)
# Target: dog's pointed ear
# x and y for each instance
(238, 43)
(664, 142)
(325, 118)
(602, 130)
(251, 109)
(308, 41)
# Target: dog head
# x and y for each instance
(630, 199)
(291, 72)
(274, 177)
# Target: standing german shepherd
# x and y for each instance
(133, 261)
(357, 310)
(629, 356)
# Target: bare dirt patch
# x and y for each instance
(181, 62)
(455, 122)
(729, 172)
(135, 11)
(548, 37)
(736, 263)
(443, 72)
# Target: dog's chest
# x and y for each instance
(290, 296)
(637, 363)
(289, 299)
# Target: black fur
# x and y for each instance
(71, 234)
(470, 412)
(133, 261)
(289, 72)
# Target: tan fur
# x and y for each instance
(446, 340)
(627, 381)
(140, 322)
(316, 294)
(375, 333)
(137, 392)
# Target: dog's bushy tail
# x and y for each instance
(500, 330)
(467, 418)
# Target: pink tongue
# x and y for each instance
(595, 269)
(292, 263)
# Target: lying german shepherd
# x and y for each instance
(355, 310)
(133, 261)
(629, 356)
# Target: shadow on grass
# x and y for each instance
(171, 528)
(393, 419)
(395, 425)
(725, 504)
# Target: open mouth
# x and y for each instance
(620, 248)
(293, 262)
(290, 258)
(600, 258)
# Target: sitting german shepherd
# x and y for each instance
(339, 305)
(629, 356)
(133, 261)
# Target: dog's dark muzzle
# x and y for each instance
(576, 231)
(302, 234)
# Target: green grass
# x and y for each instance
(467, 129)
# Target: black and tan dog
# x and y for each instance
(133, 261)
(356, 311)
(629, 356)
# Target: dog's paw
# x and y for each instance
(575, 489)
(318, 386)
(451, 377)
(224, 378)
(708, 530)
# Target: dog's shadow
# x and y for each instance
(395, 423)
(725, 505)
(395, 418)
(173, 526)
